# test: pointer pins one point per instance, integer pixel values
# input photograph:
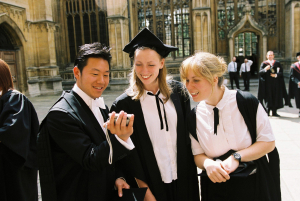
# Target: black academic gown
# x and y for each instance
(294, 90)
(79, 163)
(272, 90)
(142, 164)
(18, 160)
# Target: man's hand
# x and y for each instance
(230, 164)
(120, 184)
(215, 171)
(267, 67)
(119, 128)
(273, 75)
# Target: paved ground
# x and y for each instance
(286, 129)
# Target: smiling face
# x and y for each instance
(199, 88)
(147, 63)
(94, 77)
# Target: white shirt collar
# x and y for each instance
(87, 99)
(221, 103)
(271, 62)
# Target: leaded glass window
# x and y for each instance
(169, 20)
(89, 16)
(246, 44)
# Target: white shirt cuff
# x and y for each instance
(275, 75)
(127, 144)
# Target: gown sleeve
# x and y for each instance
(18, 129)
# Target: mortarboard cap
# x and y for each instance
(133, 194)
(146, 38)
(297, 54)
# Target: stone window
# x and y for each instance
(86, 23)
(169, 20)
(230, 12)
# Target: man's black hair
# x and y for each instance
(94, 50)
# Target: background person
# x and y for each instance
(73, 134)
(271, 87)
(233, 73)
(163, 159)
(245, 71)
(19, 126)
(218, 128)
(294, 84)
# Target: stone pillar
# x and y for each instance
(118, 29)
(202, 27)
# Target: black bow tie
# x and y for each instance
(159, 112)
(216, 119)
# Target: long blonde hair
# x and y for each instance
(136, 87)
(204, 64)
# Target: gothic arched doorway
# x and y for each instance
(246, 46)
(8, 54)
(12, 42)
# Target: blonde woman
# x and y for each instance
(231, 126)
(162, 160)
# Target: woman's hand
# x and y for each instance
(230, 164)
(119, 128)
(120, 184)
(215, 172)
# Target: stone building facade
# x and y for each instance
(40, 38)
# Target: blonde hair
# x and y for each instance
(206, 65)
(136, 87)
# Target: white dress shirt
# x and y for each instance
(232, 67)
(164, 142)
(97, 113)
(232, 130)
(248, 65)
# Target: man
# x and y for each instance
(271, 84)
(294, 84)
(233, 74)
(245, 72)
(76, 157)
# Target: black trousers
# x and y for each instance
(235, 189)
(246, 77)
(234, 76)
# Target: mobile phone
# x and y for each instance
(117, 115)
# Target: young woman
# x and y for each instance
(162, 160)
(18, 131)
(228, 120)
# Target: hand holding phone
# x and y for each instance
(120, 124)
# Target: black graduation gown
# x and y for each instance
(18, 160)
(294, 91)
(267, 187)
(142, 163)
(78, 162)
(272, 90)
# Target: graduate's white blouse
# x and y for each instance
(163, 142)
(232, 132)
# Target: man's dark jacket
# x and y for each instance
(73, 153)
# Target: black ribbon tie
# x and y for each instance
(216, 119)
(159, 111)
